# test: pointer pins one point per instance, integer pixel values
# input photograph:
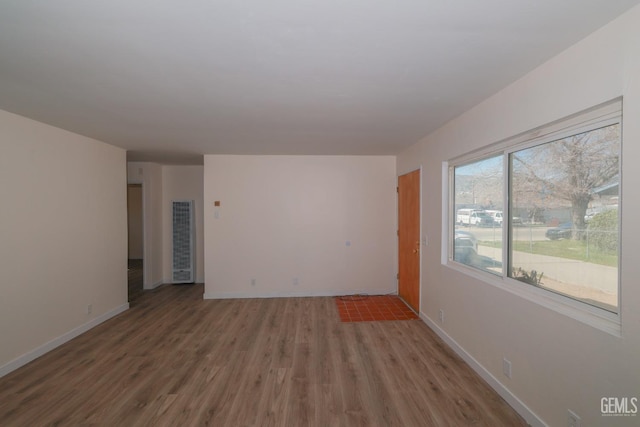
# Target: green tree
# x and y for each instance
(603, 231)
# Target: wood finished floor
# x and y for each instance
(175, 359)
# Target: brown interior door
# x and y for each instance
(409, 238)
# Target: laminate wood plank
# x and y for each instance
(399, 379)
(350, 377)
(301, 398)
(304, 315)
(285, 339)
(245, 411)
(321, 346)
(329, 407)
(449, 379)
(274, 399)
(176, 359)
(380, 396)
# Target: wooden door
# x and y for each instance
(409, 238)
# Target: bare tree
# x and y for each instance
(569, 169)
(480, 184)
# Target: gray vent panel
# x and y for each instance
(183, 239)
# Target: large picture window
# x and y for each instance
(543, 209)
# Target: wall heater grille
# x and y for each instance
(183, 242)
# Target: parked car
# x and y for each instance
(467, 239)
(465, 247)
(482, 219)
(496, 216)
(563, 231)
(463, 216)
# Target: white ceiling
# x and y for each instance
(171, 80)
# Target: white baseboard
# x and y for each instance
(323, 293)
(154, 285)
(530, 417)
(47, 347)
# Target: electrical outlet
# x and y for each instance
(89, 308)
(253, 282)
(573, 420)
(441, 316)
(296, 282)
(506, 368)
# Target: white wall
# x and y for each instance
(150, 176)
(558, 363)
(63, 237)
(182, 183)
(284, 218)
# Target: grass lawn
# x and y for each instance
(570, 249)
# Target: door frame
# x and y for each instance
(145, 247)
(420, 236)
(136, 185)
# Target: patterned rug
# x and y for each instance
(368, 308)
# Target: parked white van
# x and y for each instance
(463, 216)
(473, 217)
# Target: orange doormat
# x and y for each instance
(367, 308)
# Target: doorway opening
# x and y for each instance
(135, 241)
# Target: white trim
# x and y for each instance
(147, 254)
(328, 293)
(47, 347)
(423, 239)
(605, 114)
(519, 406)
(156, 284)
(446, 249)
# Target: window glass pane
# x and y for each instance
(478, 199)
(564, 200)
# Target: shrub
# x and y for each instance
(532, 277)
(603, 231)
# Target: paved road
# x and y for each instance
(564, 270)
(490, 234)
